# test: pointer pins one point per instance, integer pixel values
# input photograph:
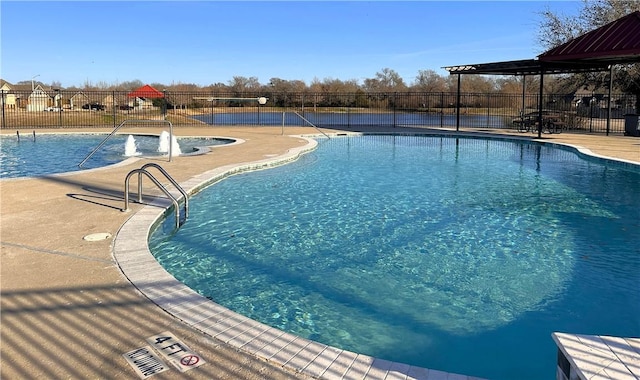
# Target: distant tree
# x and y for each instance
(216, 88)
(158, 86)
(429, 81)
(557, 29)
(386, 80)
(513, 84)
(102, 85)
(184, 87)
(240, 85)
(283, 92)
(29, 82)
(510, 84)
(298, 86)
(88, 85)
(180, 95)
(72, 89)
(283, 85)
(333, 92)
(472, 83)
(339, 86)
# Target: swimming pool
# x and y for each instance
(43, 154)
(456, 254)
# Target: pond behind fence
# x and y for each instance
(66, 109)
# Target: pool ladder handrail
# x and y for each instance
(174, 200)
(120, 126)
(311, 124)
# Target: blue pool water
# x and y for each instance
(461, 255)
(60, 153)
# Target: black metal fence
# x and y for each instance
(64, 109)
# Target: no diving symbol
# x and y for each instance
(175, 351)
(190, 360)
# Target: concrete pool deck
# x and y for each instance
(68, 311)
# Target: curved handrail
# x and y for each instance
(173, 182)
(157, 183)
(120, 126)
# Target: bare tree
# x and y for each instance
(472, 83)
(557, 29)
(385, 80)
(239, 85)
(429, 81)
(334, 92)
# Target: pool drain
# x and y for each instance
(97, 236)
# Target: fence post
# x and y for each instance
(609, 100)
(113, 105)
(4, 102)
(165, 104)
(524, 88)
(58, 104)
(395, 98)
(591, 102)
(212, 115)
(488, 118)
(441, 109)
(458, 105)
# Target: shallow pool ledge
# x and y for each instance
(131, 252)
(597, 356)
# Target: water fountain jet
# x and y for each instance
(163, 144)
(130, 147)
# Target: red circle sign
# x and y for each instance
(189, 360)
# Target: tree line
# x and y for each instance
(385, 81)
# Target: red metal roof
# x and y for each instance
(146, 91)
(618, 41)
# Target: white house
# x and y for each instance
(38, 99)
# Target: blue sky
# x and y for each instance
(206, 42)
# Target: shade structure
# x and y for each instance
(615, 43)
(145, 91)
(527, 67)
(618, 42)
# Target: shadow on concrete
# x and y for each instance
(93, 199)
(82, 332)
(107, 195)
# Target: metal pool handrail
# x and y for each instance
(123, 123)
(174, 200)
(311, 124)
(173, 182)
